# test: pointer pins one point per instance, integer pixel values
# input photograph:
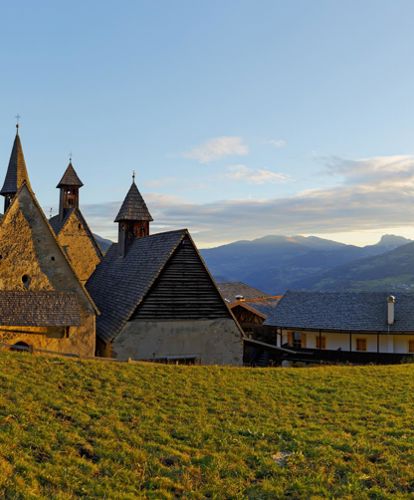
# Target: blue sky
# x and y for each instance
(241, 118)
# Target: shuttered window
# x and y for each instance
(361, 344)
(320, 342)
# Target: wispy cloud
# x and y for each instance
(254, 176)
(375, 193)
(277, 143)
(217, 148)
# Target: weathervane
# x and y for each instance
(17, 121)
(70, 157)
(133, 176)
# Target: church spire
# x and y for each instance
(69, 186)
(16, 172)
(133, 218)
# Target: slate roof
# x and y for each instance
(133, 207)
(39, 308)
(70, 178)
(119, 284)
(347, 311)
(231, 289)
(16, 171)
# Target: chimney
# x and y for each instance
(391, 300)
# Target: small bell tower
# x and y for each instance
(133, 219)
(69, 187)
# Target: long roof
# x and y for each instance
(119, 284)
(346, 311)
(39, 308)
(16, 172)
(133, 207)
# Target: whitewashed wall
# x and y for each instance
(334, 341)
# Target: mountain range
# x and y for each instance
(277, 263)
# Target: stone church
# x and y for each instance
(150, 297)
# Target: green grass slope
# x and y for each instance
(99, 429)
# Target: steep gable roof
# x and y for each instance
(70, 178)
(40, 230)
(58, 224)
(133, 207)
(119, 284)
(346, 311)
(16, 172)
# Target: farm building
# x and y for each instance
(357, 327)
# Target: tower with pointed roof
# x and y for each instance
(71, 228)
(69, 186)
(133, 219)
(16, 172)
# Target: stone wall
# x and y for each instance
(75, 240)
(211, 341)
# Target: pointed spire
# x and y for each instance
(133, 207)
(16, 172)
(70, 178)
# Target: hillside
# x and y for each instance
(99, 429)
(276, 263)
(392, 270)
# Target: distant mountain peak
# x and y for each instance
(393, 240)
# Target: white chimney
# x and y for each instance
(391, 300)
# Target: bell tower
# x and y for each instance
(16, 172)
(133, 219)
(69, 187)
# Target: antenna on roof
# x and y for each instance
(17, 122)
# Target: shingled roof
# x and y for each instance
(133, 207)
(347, 311)
(118, 285)
(16, 171)
(70, 178)
(230, 290)
(39, 308)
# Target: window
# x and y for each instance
(297, 339)
(361, 344)
(320, 342)
(411, 346)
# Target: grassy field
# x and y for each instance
(108, 430)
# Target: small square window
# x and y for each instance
(411, 346)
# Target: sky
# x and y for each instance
(240, 118)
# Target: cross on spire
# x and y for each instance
(17, 122)
(133, 176)
(70, 157)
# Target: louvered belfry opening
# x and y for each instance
(69, 187)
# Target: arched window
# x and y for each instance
(21, 346)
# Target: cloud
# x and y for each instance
(277, 143)
(255, 176)
(374, 194)
(217, 148)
